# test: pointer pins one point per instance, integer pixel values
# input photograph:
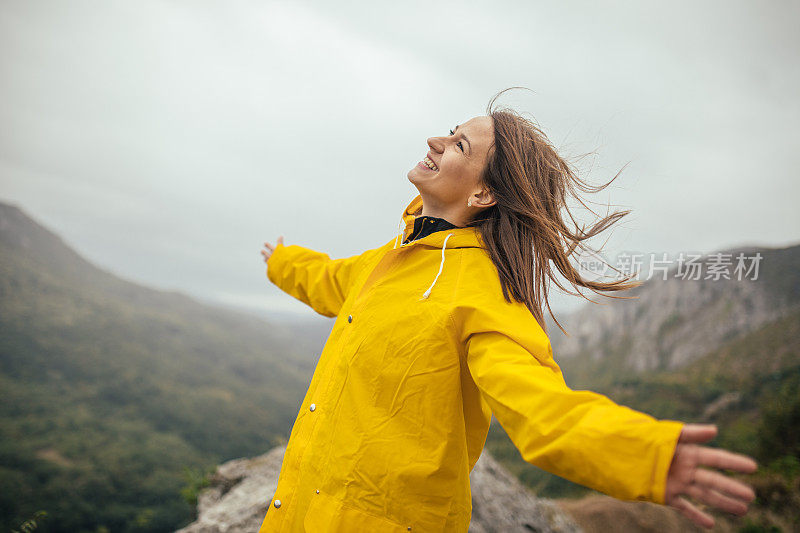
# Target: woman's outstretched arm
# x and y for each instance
(582, 435)
(579, 435)
(312, 277)
(587, 438)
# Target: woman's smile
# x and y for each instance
(423, 165)
(428, 164)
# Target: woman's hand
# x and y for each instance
(686, 477)
(270, 248)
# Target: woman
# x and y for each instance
(440, 328)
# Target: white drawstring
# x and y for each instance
(441, 266)
(402, 222)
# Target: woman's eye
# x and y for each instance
(459, 144)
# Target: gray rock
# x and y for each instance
(500, 503)
(238, 496)
(236, 501)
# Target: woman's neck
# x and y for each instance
(451, 218)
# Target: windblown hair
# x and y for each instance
(525, 230)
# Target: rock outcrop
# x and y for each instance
(241, 489)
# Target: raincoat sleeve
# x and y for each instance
(579, 435)
(312, 277)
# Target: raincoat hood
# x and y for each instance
(466, 237)
(424, 350)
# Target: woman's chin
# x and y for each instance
(417, 174)
(423, 186)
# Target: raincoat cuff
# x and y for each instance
(671, 430)
(275, 263)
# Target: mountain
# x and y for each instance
(114, 394)
(668, 324)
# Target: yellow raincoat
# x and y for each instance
(424, 349)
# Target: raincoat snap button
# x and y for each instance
(317, 491)
(349, 318)
(276, 503)
(312, 407)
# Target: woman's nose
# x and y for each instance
(435, 143)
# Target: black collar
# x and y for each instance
(425, 225)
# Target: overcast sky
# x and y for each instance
(166, 141)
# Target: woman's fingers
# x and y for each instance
(693, 513)
(719, 458)
(720, 491)
(694, 433)
(724, 484)
(709, 496)
(270, 248)
(707, 486)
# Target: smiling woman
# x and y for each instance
(441, 327)
(513, 189)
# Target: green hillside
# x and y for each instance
(111, 391)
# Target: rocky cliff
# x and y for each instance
(669, 323)
(240, 490)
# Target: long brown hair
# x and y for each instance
(525, 230)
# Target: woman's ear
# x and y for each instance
(484, 199)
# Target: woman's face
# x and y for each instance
(459, 159)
